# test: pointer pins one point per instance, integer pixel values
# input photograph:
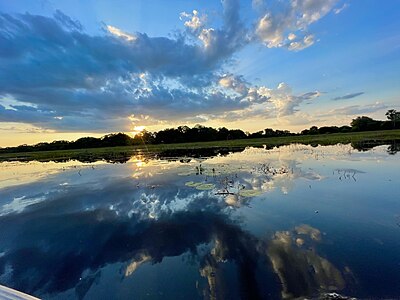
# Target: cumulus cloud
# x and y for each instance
(235, 83)
(286, 24)
(291, 36)
(66, 79)
(302, 44)
(284, 101)
(279, 102)
(348, 96)
(194, 21)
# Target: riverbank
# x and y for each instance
(111, 153)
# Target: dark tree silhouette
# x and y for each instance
(365, 124)
(200, 133)
(393, 116)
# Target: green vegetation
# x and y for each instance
(393, 116)
(119, 147)
(122, 153)
(199, 133)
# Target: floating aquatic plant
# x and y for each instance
(249, 193)
(205, 186)
(188, 173)
(200, 186)
(192, 183)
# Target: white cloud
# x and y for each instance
(208, 37)
(99, 81)
(267, 103)
(310, 11)
(285, 24)
(307, 41)
(269, 32)
(291, 36)
(195, 21)
(18, 204)
(284, 101)
(235, 83)
(340, 9)
(119, 33)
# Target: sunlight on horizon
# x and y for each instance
(223, 149)
(246, 65)
(137, 130)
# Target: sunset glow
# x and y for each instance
(199, 149)
(73, 69)
(137, 130)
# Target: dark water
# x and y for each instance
(294, 221)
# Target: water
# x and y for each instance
(294, 221)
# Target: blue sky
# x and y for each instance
(74, 68)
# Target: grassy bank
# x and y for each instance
(125, 151)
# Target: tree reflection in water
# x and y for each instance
(65, 238)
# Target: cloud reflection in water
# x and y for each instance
(107, 216)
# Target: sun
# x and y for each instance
(137, 130)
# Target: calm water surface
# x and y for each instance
(294, 221)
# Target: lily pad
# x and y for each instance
(205, 186)
(185, 173)
(249, 193)
(200, 186)
(192, 184)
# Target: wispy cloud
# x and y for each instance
(340, 9)
(118, 32)
(359, 109)
(348, 96)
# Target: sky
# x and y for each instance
(87, 68)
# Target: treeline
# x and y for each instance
(109, 140)
(199, 133)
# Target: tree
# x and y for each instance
(236, 134)
(313, 130)
(344, 128)
(328, 129)
(393, 116)
(365, 124)
(223, 133)
(116, 139)
(146, 137)
(254, 135)
(269, 132)
(86, 142)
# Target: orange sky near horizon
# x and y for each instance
(13, 134)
